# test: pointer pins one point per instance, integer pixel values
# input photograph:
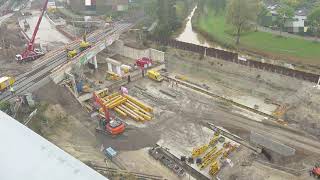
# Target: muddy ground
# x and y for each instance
(11, 43)
(67, 125)
(178, 122)
(239, 82)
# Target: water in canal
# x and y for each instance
(190, 36)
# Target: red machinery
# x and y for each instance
(144, 62)
(315, 172)
(113, 126)
(31, 53)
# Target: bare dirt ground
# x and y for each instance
(11, 43)
(251, 86)
(67, 126)
(178, 122)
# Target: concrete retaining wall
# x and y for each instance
(268, 143)
(132, 53)
(156, 55)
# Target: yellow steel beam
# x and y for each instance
(140, 104)
(120, 112)
(139, 108)
(117, 103)
(138, 118)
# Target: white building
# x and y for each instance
(297, 25)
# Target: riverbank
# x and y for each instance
(264, 44)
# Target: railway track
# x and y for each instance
(107, 170)
(282, 133)
(55, 59)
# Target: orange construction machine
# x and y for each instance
(108, 125)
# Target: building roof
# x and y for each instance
(26, 155)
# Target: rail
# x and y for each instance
(55, 59)
(204, 91)
(136, 174)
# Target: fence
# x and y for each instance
(233, 57)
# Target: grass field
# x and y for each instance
(265, 43)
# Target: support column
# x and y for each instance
(118, 70)
(94, 62)
(74, 85)
(110, 67)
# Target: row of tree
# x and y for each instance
(314, 21)
(165, 13)
(244, 14)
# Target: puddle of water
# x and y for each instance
(190, 36)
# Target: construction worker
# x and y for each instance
(129, 78)
(12, 90)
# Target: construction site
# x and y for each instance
(157, 110)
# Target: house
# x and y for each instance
(297, 25)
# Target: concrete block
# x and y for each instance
(267, 142)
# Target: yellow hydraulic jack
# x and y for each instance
(214, 140)
(198, 151)
(210, 153)
(214, 168)
(211, 159)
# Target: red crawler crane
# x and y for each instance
(31, 53)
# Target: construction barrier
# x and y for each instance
(233, 57)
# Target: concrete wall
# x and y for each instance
(59, 74)
(132, 53)
(268, 143)
(157, 55)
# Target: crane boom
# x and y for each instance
(30, 53)
(37, 26)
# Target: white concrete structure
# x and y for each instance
(26, 155)
(116, 64)
(132, 53)
(94, 62)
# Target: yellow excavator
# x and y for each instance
(84, 43)
(72, 53)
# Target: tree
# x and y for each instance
(241, 14)
(314, 21)
(262, 13)
(167, 16)
(150, 7)
(217, 5)
(285, 14)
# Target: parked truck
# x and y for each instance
(154, 75)
(6, 82)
